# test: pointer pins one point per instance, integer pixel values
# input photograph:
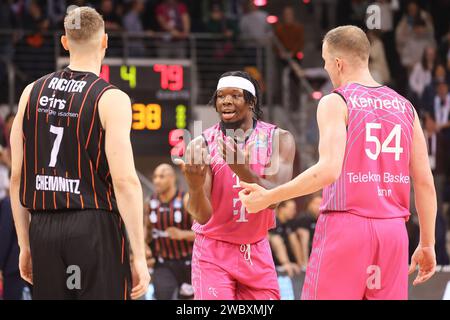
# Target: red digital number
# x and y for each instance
(104, 73)
(176, 140)
(171, 76)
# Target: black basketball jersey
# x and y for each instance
(64, 161)
(164, 215)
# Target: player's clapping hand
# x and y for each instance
(425, 258)
(237, 159)
(195, 165)
(254, 197)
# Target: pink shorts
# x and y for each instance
(356, 258)
(227, 271)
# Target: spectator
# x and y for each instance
(352, 12)
(387, 11)
(5, 162)
(132, 20)
(110, 16)
(306, 225)
(413, 33)
(421, 74)
(133, 25)
(6, 47)
(219, 24)
(327, 20)
(35, 19)
(13, 285)
(358, 12)
(440, 74)
(254, 25)
(173, 18)
(56, 11)
(444, 49)
(283, 240)
(6, 16)
(388, 8)
(290, 32)
(412, 48)
(437, 126)
(377, 60)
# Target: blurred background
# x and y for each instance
(168, 55)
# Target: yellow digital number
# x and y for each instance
(146, 116)
(153, 116)
(138, 116)
(128, 74)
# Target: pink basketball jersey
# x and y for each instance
(230, 221)
(374, 181)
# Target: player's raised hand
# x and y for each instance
(425, 258)
(195, 165)
(232, 154)
(253, 197)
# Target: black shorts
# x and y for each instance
(172, 279)
(79, 255)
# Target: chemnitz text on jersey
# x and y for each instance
(54, 183)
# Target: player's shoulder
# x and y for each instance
(283, 133)
(332, 98)
(28, 88)
(26, 92)
(332, 103)
(114, 94)
(114, 104)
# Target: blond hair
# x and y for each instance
(348, 40)
(82, 24)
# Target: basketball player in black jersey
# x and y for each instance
(73, 170)
(169, 235)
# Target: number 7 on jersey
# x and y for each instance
(59, 131)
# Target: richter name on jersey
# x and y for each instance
(54, 183)
(65, 85)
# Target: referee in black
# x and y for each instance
(169, 236)
(73, 171)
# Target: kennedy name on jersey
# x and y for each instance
(65, 85)
(378, 103)
(54, 183)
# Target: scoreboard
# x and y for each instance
(160, 93)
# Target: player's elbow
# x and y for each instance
(425, 185)
(14, 180)
(202, 218)
(332, 173)
(126, 183)
(330, 170)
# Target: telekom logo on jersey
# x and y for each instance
(236, 209)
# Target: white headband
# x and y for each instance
(236, 82)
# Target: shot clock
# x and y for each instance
(160, 93)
